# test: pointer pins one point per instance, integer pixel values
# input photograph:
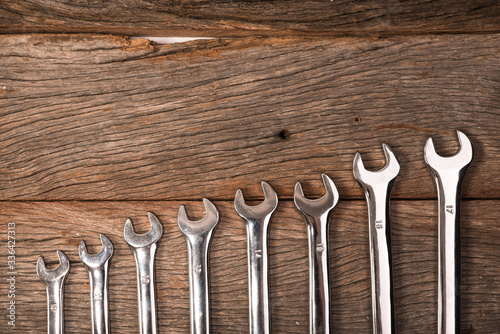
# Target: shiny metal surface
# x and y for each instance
(316, 214)
(54, 282)
(198, 235)
(144, 248)
(97, 266)
(377, 187)
(257, 220)
(448, 173)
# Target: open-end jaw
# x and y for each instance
(257, 211)
(143, 240)
(204, 225)
(317, 207)
(461, 160)
(382, 176)
(48, 275)
(96, 260)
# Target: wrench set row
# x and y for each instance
(448, 173)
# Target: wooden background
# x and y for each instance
(96, 127)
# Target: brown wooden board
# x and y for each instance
(92, 117)
(245, 18)
(44, 227)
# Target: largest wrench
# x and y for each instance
(449, 172)
(144, 248)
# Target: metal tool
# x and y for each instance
(54, 283)
(257, 219)
(97, 267)
(144, 248)
(449, 172)
(198, 235)
(316, 214)
(377, 187)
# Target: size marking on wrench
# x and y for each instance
(377, 187)
(257, 220)
(97, 266)
(144, 248)
(198, 235)
(316, 214)
(448, 173)
(54, 282)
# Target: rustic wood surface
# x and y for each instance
(250, 18)
(43, 227)
(89, 117)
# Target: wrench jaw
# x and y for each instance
(96, 260)
(201, 227)
(143, 240)
(368, 179)
(458, 163)
(320, 206)
(50, 275)
(266, 208)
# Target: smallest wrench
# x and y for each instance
(97, 267)
(377, 187)
(316, 213)
(257, 219)
(198, 235)
(144, 248)
(54, 282)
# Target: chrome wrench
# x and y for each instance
(54, 282)
(257, 219)
(144, 248)
(448, 173)
(97, 267)
(377, 187)
(316, 214)
(198, 235)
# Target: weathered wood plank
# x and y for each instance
(101, 117)
(250, 18)
(44, 227)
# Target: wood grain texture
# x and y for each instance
(245, 18)
(91, 117)
(44, 227)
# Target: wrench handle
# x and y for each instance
(449, 189)
(198, 282)
(55, 309)
(258, 275)
(144, 257)
(319, 291)
(379, 228)
(99, 298)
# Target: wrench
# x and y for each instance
(257, 219)
(54, 283)
(197, 235)
(144, 248)
(377, 187)
(97, 267)
(316, 214)
(448, 173)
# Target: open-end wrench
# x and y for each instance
(97, 267)
(54, 282)
(144, 248)
(257, 219)
(198, 235)
(316, 214)
(377, 187)
(449, 172)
